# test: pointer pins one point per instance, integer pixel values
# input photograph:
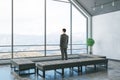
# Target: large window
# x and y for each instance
(58, 17)
(28, 28)
(37, 27)
(5, 29)
(79, 28)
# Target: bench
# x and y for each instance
(22, 64)
(91, 55)
(58, 57)
(61, 64)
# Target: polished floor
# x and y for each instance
(113, 73)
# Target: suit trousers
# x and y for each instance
(64, 53)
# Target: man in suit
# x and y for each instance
(64, 44)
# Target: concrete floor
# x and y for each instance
(113, 73)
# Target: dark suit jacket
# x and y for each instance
(64, 41)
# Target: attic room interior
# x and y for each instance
(30, 45)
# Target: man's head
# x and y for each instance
(64, 30)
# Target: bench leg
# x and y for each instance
(81, 69)
(43, 74)
(55, 73)
(19, 72)
(62, 71)
(106, 65)
(95, 67)
(78, 69)
(37, 71)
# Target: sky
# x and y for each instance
(29, 17)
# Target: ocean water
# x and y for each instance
(50, 49)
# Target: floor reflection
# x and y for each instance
(113, 73)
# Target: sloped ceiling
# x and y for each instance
(97, 7)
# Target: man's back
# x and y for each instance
(64, 41)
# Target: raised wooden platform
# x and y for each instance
(61, 64)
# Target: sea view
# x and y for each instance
(30, 28)
(33, 46)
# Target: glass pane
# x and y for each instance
(5, 29)
(28, 28)
(62, 0)
(58, 17)
(79, 32)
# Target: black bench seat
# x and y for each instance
(61, 64)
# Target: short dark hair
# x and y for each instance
(64, 30)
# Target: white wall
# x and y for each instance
(106, 32)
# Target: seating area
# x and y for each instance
(61, 64)
(22, 64)
(56, 63)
